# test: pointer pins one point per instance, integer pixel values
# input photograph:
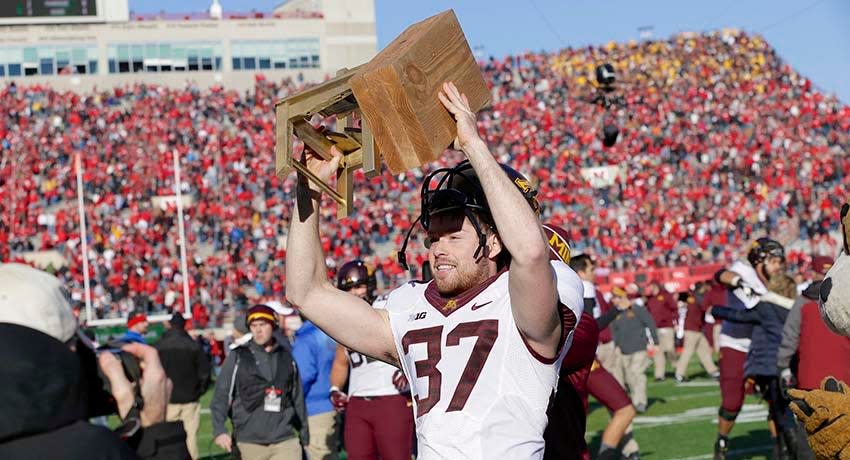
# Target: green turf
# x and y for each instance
(692, 436)
(689, 437)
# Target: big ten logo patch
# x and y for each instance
(417, 316)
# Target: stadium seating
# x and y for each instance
(719, 140)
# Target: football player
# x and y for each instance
(747, 281)
(378, 413)
(482, 343)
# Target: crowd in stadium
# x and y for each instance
(720, 140)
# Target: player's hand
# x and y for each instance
(323, 169)
(339, 400)
(224, 441)
(787, 381)
(155, 385)
(400, 382)
(458, 105)
(746, 288)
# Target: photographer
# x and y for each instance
(51, 384)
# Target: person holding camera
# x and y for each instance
(52, 385)
(259, 388)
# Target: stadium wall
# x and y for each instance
(341, 35)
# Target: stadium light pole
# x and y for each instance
(187, 311)
(83, 236)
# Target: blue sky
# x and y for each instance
(812, 35)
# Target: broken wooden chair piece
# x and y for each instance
(402, 121)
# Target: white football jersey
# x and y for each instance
(368, 376)
(479, 391)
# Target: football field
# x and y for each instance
(680, 423)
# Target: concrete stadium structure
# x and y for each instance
(309, 39)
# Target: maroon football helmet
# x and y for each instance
(357, 273)
(559, 243)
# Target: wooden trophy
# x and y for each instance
(394, 95)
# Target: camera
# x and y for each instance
(606, 78)
(130, 364)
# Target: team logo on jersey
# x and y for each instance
(451, 304)
(522, 184)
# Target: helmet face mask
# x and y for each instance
(458, 189)
(764, 248)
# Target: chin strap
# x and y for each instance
(482, 238)
(402, 259)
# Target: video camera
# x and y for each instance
(605, 80)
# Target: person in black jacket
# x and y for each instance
(768, 318)
(187, 366)
(259, 388)
(50, 384)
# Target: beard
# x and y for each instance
(461, 279)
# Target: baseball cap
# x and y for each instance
(35, 299)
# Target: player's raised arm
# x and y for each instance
(532, 282)
(345, 317)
